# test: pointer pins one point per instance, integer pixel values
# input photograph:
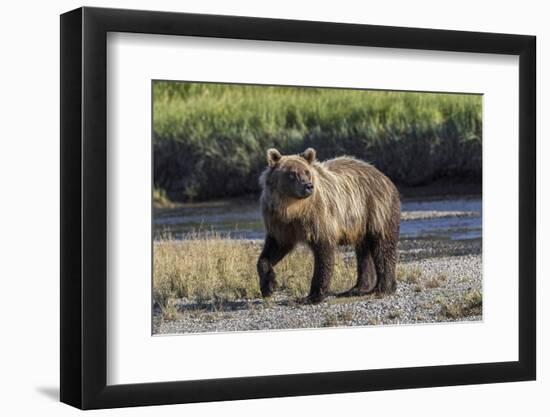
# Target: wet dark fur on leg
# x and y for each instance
(366, 272)
(271, 254)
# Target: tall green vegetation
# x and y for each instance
(210, 140)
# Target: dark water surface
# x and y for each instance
(241, 219)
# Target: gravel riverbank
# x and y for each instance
(445, 285)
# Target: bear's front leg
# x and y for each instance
(323, 254)
(272, 253)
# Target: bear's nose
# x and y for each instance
(309, 187)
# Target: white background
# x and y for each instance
(29, 219)
(134, 356)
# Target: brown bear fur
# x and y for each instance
(342, 201)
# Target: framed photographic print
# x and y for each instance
(257, 208)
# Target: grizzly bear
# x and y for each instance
(342, 201)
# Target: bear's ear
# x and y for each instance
(273, 156)
(309, 155)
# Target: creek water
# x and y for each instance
(444, 218)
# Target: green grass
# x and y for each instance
(210, 139)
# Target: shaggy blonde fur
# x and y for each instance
(342, 201)
(350, 198)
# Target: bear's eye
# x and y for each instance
(291, 175)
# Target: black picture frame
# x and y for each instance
(84, 207)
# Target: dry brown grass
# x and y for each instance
(436, 281)
(394, 314)
(410, 275)
(169, 311)
(345, 316)
(339, 319)
(214, 268)
(469, 305)
(208, 266)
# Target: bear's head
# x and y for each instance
(291, 175)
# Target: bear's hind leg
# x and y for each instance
(366, 272)
(385, 258)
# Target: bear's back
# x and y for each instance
(360, 192)
(343, 164)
